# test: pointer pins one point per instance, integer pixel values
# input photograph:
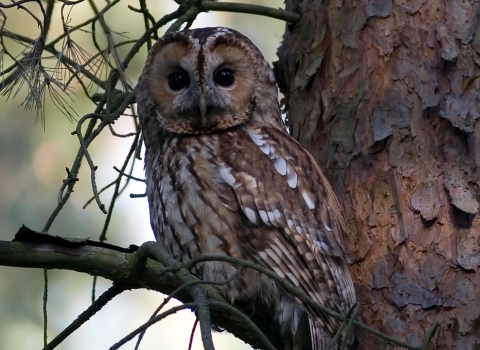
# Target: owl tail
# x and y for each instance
(300, 332)
(321, 338)
(294, 325)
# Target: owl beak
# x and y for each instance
(203, 109)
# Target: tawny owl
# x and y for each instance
(225, 178)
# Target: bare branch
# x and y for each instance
(108, 295)
(150, 322)
(93, 168)
(129, 176)
(250, 8)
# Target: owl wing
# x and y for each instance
(294, 218)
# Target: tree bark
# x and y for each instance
(384, 95)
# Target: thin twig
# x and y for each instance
(144, 38)
(187, 17)
(192, 333)
(114, 133)
(129, 176)
(86, 154)
(15, 4)
(125, 185)
(202, 282)
(146, 17)
(155, 313)
(48, 15)
(74, 171)
(45, 313)
(106, 187)
(67, 182)
(87, 22)
(150, 322)
(109, 294)
(351, 314)
(138, 195)
(131, 152)
(111, 48)
(94, 284)
(429, 336)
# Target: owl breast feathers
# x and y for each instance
(225, 178)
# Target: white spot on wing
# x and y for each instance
(256, 138)
(265, 148)
(227, 176)
(277, 214)
(250, 215)
(328, 228)
(308, 199)
(263, 215)
(280, 165)
(292, 177)
(323, 247)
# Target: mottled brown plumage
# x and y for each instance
(225, 178)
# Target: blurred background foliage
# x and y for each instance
(33, 158)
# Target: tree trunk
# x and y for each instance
(385, 96)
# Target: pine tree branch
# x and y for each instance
(123, 267)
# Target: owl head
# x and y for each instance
(204, 80)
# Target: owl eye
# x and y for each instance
(224, 77)
(178, 80)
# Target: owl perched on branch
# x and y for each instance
(225, 178)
